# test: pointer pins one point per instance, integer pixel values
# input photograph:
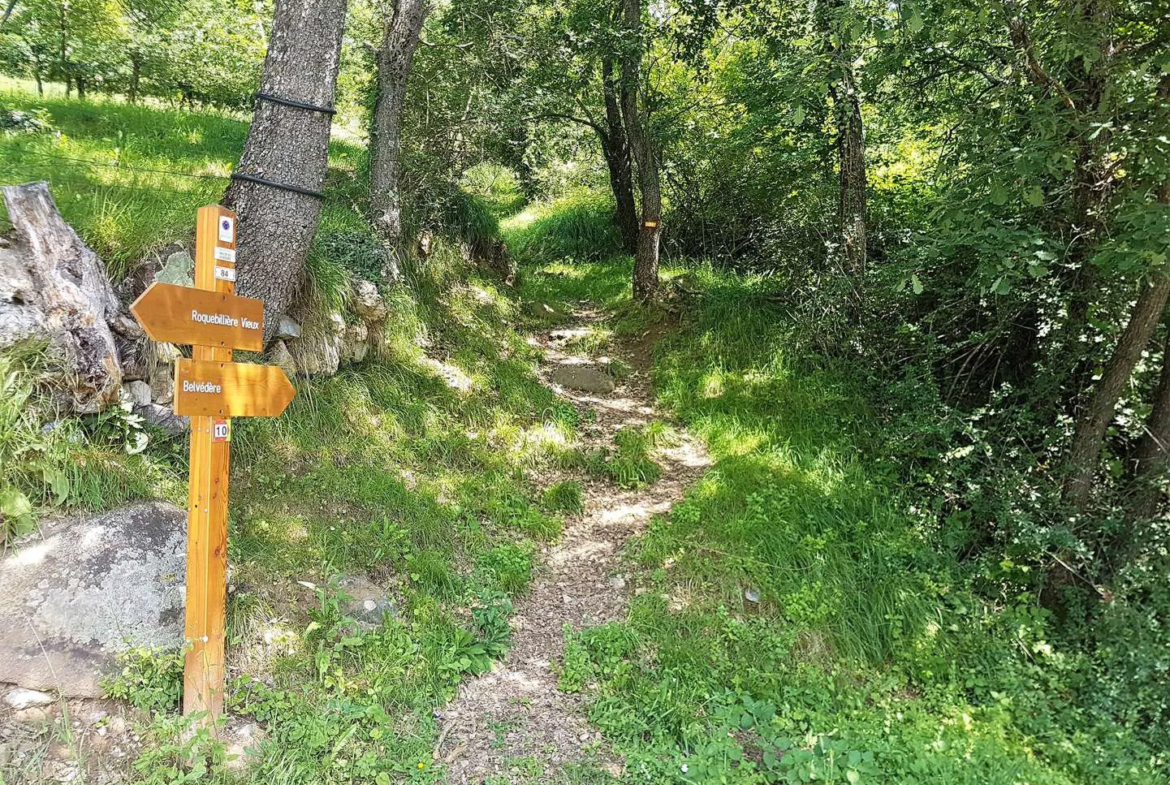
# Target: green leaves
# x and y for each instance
(16, 514)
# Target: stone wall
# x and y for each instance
(54, 291)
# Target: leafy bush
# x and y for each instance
(151, 679)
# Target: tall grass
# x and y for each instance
(579, 227)
(51, 460)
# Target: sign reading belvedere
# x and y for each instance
(211, 389)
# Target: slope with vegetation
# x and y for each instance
(912, 298)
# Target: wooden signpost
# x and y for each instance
(211, 389)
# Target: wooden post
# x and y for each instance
(207, 501)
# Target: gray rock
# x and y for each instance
(368, 303)
(279, 355)
(178, 270)
(369, 601)
(318, 351)
(85, 589)
(162, 387)
(583, 378)
(288, 328)
(138, 392)
(22, 698)
(165, 418)
(354, 343)
(127, 327)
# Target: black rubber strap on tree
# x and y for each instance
(296, 189)
(296, 104)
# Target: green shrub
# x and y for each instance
(151, 679)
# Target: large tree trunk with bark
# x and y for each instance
(633, 106)
(1094, 420)
(616, 145)
(288, 145)
(400, 37)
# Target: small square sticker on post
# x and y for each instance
(227, 229)
(225, 273)
(225, 255)
(221, 431)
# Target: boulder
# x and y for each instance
(179, 270)
(139, 393)
(279, 355)
(54, 289)
(162, 388)
(583, 378)
(21, 698)
(368, 303)
(164, 418)
(85, 589)
(288, 328)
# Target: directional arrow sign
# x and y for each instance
(206, 388)
(180, 314)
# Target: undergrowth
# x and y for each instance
(799, 617)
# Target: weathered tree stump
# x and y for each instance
(54, 290)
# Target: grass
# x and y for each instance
(129, 177)
(797, 617)
(418, 471)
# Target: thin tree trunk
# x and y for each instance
(633, 102)
(1152, 457)
(1094, 420)
(851, 174)
(616, 145)
(290, 146)
(135, 76)
(1091, 182)
(399, 43)
(851, 169)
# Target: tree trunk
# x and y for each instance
(851, 207)
(81, 84)
(135, 76)
(1095, 419)
(290, 146)
(616, 146)
(851, 175)
(1091, 181)
(399, 42)
(1152, 457)
(633, 101)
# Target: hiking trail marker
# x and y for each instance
(211, 389)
